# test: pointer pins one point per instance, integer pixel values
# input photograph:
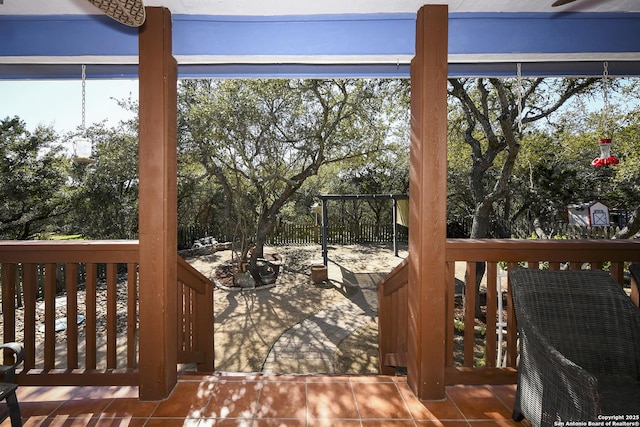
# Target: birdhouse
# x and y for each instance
(590, 214)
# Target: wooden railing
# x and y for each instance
(195, 318)
(393, 319)
(40, 288)
(499, 256)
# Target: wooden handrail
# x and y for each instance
(507, 250)
(68, 251)
(396, 279)
(191, 277)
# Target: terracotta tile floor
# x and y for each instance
(274, 400)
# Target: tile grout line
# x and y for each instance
(500, 399)
(453, 402)
(254, 412)
(355, 401)
(406, 406)
(306, 403)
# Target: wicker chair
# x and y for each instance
(579, 346)
(14, 354)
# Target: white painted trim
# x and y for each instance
(543, 57)
(69, 60)
(294, 59)
(331, 59)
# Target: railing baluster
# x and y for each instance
(9, 302)
(617, 271)
(512, 330)
(50, 316)
(112, 315)
(492, 309)
(188, 318)
(71, 279)
(469, 313)
(181, 320)
(192, 319)
(132, 314)
(30, 286)
(91, 286)
(184, 323)
(450, 297)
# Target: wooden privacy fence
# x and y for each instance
(288, 233)
(337, 234)
(479, 363)
(524, 229)
(580, 232)
(97, 344)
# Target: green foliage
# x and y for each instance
(527, 177)
(555, 167)
(262, 141)
(105, 192)
(33, 173)
(255, 152)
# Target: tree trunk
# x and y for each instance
(265, 226)
(479, 229)
(481, 218)
(632, 227)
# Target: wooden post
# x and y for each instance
(325, 231)
(158, 207)
(428, 205)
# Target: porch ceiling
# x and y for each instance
(244, 38)
(314, 7)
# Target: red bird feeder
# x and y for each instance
(605, 159)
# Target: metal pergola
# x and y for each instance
(325, 216)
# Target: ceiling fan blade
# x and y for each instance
(128, 12)
(561, 2)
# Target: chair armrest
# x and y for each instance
(9, 371)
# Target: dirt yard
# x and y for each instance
(248, 323)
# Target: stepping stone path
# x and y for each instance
(309, 346)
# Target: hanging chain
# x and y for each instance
(519, 81)
(605, 99)
(84, 91)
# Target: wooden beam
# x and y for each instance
(157, 206)
(428, 205)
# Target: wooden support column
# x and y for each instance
(158, 207)
(428, 205)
